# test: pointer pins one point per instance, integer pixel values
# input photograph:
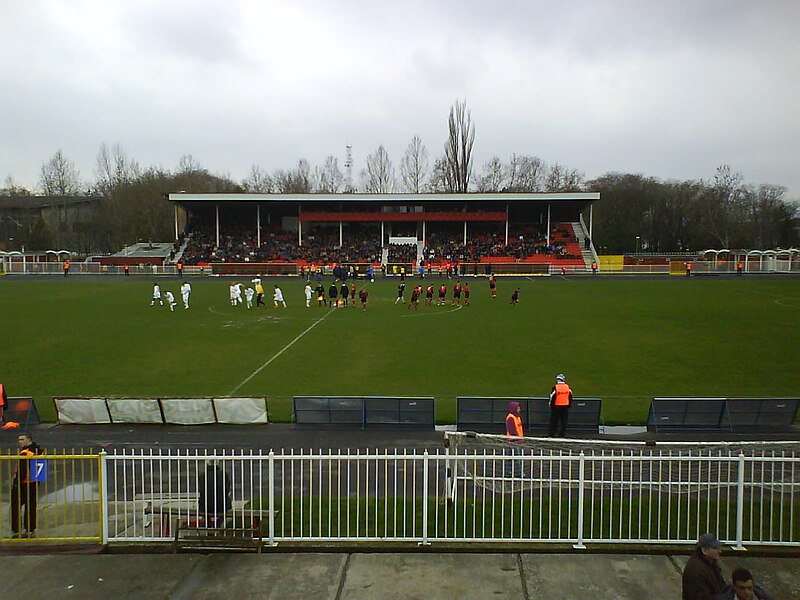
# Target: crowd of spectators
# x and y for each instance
(361, 244)
(320, 246)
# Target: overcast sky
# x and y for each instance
(670, 89)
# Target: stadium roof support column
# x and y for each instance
(258, 225)
(216, 206)
(423, 234)
(299, 226)
(465, 233)
(382, 235)
(506, 224)
(591, 208)
(547, 238)
(176, 221)
(340, 234)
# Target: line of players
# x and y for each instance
(186, 290)
(458, 290)
(336, 296)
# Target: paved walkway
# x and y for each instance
(386, 576)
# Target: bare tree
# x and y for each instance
(562, 179)
(414, 166)
(458, 149)
(59, 177)
(493, 177)
(329, 178)
(525, 174)
(296, 181)
(378, 175)
(12, 188)
(114, 169)
(257, 181)
(189, 164)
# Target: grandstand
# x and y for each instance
(474, 233)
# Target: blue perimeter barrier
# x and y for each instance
(364, 411)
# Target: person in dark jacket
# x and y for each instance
(702, 579)
(23, 488)
(743, 588)
(215, 497)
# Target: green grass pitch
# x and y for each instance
(623, 340)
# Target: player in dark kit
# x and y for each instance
(493, 286)
(332, 293)
(515, 297)
(401, 289)
(320, 292)
(364, 295)
(466, 294)
(345, 293)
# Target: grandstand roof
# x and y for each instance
(500, 198)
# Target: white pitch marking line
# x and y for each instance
(281, 351)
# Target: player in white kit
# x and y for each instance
(248, 294)
(308, 292)
(186, 289)
(156, 295)
(170, 300)
(278, 297)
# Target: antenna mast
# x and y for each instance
(348, 170)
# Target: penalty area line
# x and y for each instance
(281, 351)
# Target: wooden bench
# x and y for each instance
(194, 533)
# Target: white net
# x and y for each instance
(506, 465)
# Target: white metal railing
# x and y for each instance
(588, 497)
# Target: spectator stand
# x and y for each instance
(722, 414)
(364, 412)
(488, 415)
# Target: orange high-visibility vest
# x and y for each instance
(66, 264)
(516, 424)
(562, 395)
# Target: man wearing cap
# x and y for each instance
(560, 399)
(702, 579)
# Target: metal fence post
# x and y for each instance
(581, 470)
(424, 541)
(271, 484)
(103, 472)
(740, 505)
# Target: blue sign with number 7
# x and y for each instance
(38, 470)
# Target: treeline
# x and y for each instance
(636, 212)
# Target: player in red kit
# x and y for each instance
(457, 293)
(466, 294)
(429, 295)
(415, 297)
(493, 286)
(442, 294)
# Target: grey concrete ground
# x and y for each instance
(389, 576)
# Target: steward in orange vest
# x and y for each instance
(3, 400)
(66, 267)
(513, 420)
(513, 466)
(560, 400)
